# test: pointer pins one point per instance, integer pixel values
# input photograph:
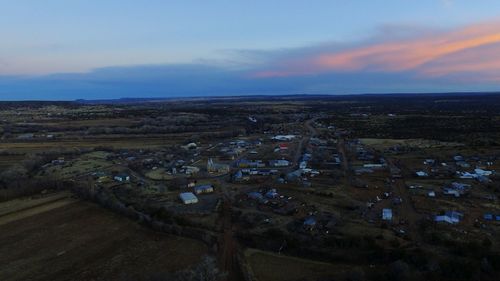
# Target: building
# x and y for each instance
(245, 163)
(201, 189)
(122, 177)
(279, 163)
(257, 196)
(188, 198)
(488, 217)
(272, 194)
(283, 146)
(213, 167)
(191, 170)
(284, 137)
(387, 214)
(309, 223)
(451, 217)
(422, 174)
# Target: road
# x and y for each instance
(343, 157)
(228, 244)
(407, 210)
(305, 140)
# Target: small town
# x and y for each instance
(288, 185)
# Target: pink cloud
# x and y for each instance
(438, 54)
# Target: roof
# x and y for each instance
(310, 221)
(188, 197)
(255, 195)
(387, 214)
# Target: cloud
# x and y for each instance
(398, 59)
(438, 53)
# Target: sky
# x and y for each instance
(101, 49)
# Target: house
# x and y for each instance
(252, 119)
(283, 146)
(309, 223)
(422, 174)
(122, 177)
(190, 146)
(294, 175)
(373, 166)
(456, 189)
(395, 173)
(429, 162)
(272, 194)
(481, 172)
(451, 217)
(28, 136)
(58, 161)
(387, 214)
(200, 189)
(257, 196)
(488, 217)
(188, 198)
(191, 170)
(238, 176)
(283, 137)
(245, 163)
(451, 191)
(279, 163)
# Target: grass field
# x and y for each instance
(419, 143)
(270, 266)
(81, 241)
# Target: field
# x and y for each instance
(269, 266)
(81, 241)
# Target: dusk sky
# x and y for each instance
(60, 49)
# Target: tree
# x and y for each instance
(13, 175)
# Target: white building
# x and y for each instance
(188, 198)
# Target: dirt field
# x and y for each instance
(75, 240)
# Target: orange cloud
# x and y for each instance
(416, 54)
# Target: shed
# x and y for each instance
(188, 198)
(387, 214)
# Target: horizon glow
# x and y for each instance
(59, 48)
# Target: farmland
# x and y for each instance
(66, 239)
